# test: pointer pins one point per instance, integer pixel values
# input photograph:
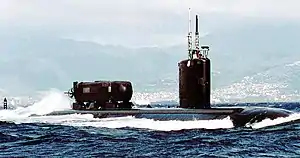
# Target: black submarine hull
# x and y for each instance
(240, 116)
(112, 98)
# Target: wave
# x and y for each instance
(55, 100)
(52, 100)
(279, 121)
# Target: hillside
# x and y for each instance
(41, 62)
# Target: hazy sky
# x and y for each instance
(134, 22)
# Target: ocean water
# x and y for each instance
(23, 134)
(84, 136)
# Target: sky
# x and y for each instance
(135, 22)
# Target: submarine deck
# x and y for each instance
(239, 115)
(216, 111)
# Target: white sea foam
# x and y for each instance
(83, 120)
(55, 100)
(268, 122)
(157, 125)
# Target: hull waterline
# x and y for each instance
(239, 116)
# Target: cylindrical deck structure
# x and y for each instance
(103, 91)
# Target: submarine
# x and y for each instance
(113, 98)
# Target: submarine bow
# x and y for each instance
(252, 115)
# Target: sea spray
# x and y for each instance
(280, 120)
(52, 100)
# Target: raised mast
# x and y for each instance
(197, 38)
(190, 47)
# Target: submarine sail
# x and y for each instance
(194, 76)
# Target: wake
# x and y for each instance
(56, 100)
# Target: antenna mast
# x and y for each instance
(197, 38)
(190, 49)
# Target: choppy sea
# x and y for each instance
(24, 135)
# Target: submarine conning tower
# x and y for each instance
(194, 74)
